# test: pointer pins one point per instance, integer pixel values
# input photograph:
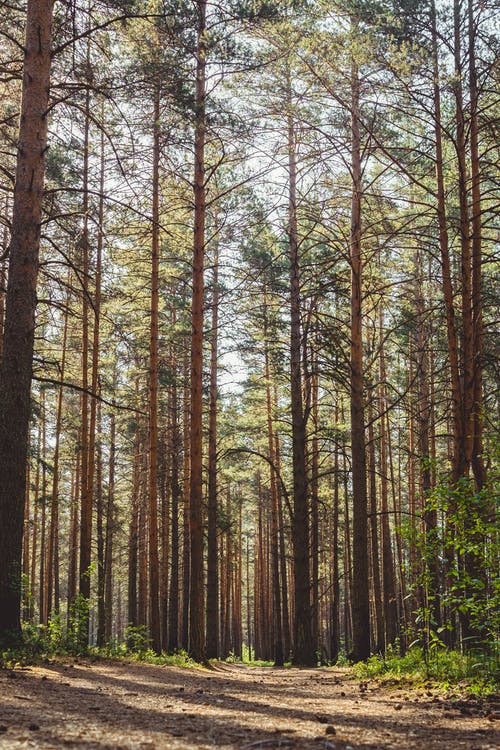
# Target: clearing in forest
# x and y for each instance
(116, 705)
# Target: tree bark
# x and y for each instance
(212, 551)
(153, 560)
(133, 538)
(186, 543)
(377, 639)
(464, 459)
(335, 606)
(287, 644)
(42, 457)
(52, 548)
(314, 461)
(86, 486)
(101, 613)
(197, 646)
(3, 274)
(477, 309)
(278, 627)
(20, 305)
(173, 606)
(73, 536)
(388, 571)
(360, 597)
(303, 649)
(110, 531)
(451, 330)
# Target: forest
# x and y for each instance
(249, 328)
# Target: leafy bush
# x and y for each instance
(137, 639)
(179, 659)
(479, 672)
(463, 547)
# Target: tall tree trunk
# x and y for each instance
(52, 556)
(186, 537)
(27, 583)
(165, 488)
(227, 563)
(197, 647)
(287, 644)
(43, 524)
(110, 530)
(303, 649)
(173, 604)
(95, 412)
(95, 409)
(415, 568)
(475, 563)
(153, 560)
(142, 589)
(86, 461)
(36, 490)
(430, 513)
(378, 614)
(101, 614)
(237, 575)
(477, 310)
(451, 330)
(388, 572)
(315, 509)
(396, 511)
(73, 536)
(360, 597)
(3, 275)
(212, 552)
(348, 584)
(248, 601)
(278, 628)
(463, 465)
(20, 304)
(335, 612)
(133, 539)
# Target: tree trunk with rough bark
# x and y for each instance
(478, 467)
(303, 647)
(197, 647)
(360, 597)
(86, 488)
(212, 550)
(278, 625)
(20, 305)
(153, 558)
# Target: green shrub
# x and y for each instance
(480, 672)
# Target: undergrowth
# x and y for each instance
(41, 643)
(475, 672)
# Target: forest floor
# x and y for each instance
(119, 705)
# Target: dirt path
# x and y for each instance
(124, 706)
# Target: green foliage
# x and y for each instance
(260, 663)
(232, 658)
(137, 639)
(59, 640)
(179, 659)
(477, 673)
(137, 646)
(64, 638)
(30, 651)
(469, 547)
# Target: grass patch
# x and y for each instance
(40, 644)
(476, 673)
